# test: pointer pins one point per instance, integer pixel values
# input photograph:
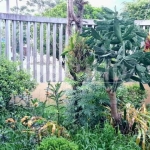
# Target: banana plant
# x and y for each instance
(116, 41)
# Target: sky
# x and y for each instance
(96, 3)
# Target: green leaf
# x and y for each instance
(108, 16)
(107, 10)
(96, 48)
(116, 48)
(141, 34)
(102, 23)
(129, 37)
(65, 52)
(85, 34)
(117, 29)
(130, 63)
(114, 41)
(140, 68)
(100, 69)
(102, 27)
(128, 31)
(95, 34)
(99, 50)
(106, 55)
(137, 56)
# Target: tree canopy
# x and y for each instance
(60, 11)
(34, 6)
(138, 9)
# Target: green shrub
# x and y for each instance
(131, 94)
(16, 140)
(12, 81)
(104, 139)
(91, 100)
(54, 143)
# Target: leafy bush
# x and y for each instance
(91, 99)
(53, 143)
(104, 139)
(131, 94)
(16, 139)
(12, 81)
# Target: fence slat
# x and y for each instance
(28, 45)
(0, 37)
(14, 41)
(73, 28)
(66, 43)
(34, 54)
(54, 53)
(41, 52)
(21, 45)
(60, 51)
(7, 34)
(48, 52)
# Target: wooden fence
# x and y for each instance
(37, 43)
(31, 40)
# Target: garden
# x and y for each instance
(98, 112)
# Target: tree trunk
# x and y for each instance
(78, 22)
(78, 18)
(113, 105)
(69, 16)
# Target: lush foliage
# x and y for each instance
(11, 130)
(51, 143)
(91, 100)
(79, 59)
(82, 123)
(19, 129)
(33, 6)
(60, 11)
(138, 9)
(131, 94)
(104, 139)
(13, 81)
(117, 44)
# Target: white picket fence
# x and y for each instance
(37, 38)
